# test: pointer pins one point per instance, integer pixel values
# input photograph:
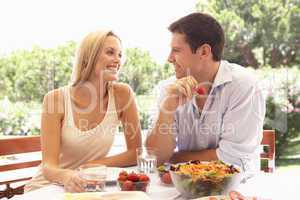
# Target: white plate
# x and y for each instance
(219, 197)
(125, 195)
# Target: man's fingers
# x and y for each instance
(192, 81)
(181, 88)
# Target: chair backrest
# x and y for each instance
(16, 145)
(27, 144)
(269, 141)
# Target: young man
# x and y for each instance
(224, 122)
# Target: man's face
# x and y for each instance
(181, 56)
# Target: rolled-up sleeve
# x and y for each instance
(160, 92)
(242, 127)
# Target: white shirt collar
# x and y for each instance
(223, 75)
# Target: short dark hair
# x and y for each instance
(199, 29)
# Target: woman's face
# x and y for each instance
(109, 61)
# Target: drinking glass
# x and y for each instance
(95, 175)
(146, 160)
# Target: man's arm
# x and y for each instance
(242, 127)
(241, 135)
(203, 155)
(162, 135)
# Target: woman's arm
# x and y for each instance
(128, 114)
(51, 123)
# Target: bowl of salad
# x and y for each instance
(199, 179)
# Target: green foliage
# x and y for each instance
(283, 110)
(145, 103)
(283, 136)
(258, 33)
(29, 75)
(144, 120)
(141, 72)
(17, 119)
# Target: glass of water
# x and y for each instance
(146, 160)
(95, 176)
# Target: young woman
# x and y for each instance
(79, 120)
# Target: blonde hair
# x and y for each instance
(87, 55)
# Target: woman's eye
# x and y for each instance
(110, 52)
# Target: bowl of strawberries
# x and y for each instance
(133, 181)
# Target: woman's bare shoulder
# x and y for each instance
(54, 101)
(123, 94)
(122, 90)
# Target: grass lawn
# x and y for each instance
(291, 159)
(293, 149)
(289, 169)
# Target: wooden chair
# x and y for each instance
(269, 155)
(16, 145)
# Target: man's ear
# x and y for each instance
(204, 51)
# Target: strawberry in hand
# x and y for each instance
(200, 90)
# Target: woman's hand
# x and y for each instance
(73, 182)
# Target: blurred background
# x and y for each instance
(38, 41)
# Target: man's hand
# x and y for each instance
(178, 93)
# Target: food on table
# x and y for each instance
(133, 181)
(196, 179)
(164, 174)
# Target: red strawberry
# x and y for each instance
(123, 173)
(200, 90)
(133, 177)
(144, 187)
(122, 177)
(143, 178)
(127, 186)
(166, 178)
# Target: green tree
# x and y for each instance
(139, 71)
(258, 32)
(29, 75)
